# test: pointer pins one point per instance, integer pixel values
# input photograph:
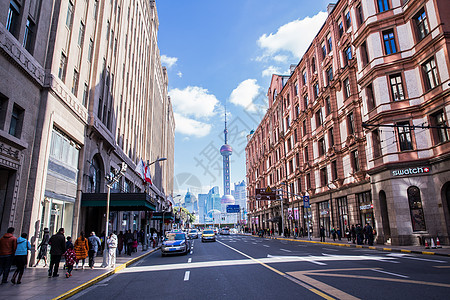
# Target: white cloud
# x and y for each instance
(280, 58)
(194, 101)
(191, 127)
(294, 37)
(269, 71)
(179, 74)
(245, 94)
(168, 61)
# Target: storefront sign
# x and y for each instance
(411, 171)
(367, 206)
(324, 212)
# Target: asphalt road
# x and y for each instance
(245, 267)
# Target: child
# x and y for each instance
(70, 259)
(69, 242)
(135, 245)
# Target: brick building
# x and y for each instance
(360, 126)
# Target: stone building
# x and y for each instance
(82, 92)
(360, 126)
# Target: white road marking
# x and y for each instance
(266, 246)
(393, 274)
(190, 260)
(285, 250)
(330, 249)
(186, 275)
(402, 255)
(254, 243)
(191, 252)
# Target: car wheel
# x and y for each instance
(163, 254)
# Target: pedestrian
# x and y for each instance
(368, 230)
(141, 237)
(322, 234)
(333, 234)
(94, 246)
(353, 233)
(71, 258)
(21, 257)
(339, 233)
(301, 231)
(81, 249)
(347, 234)
(128, 238)
(112, 247)
(359, 235)
(57, 248)
(43, 248)
(8, 246)
(120, 242)
(155, 239)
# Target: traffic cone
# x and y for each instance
(433, 245)
(426, 244)
(438, 243)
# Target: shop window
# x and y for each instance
(396, 83)
(15, 126)
(13, 19)
(383, 5)
(440, 132)
(430, 74)
(415, 207)
(389, 42)
(404, 136)
(342, 212)
(421, 23)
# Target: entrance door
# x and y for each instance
(384, 215)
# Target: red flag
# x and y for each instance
(148, 176)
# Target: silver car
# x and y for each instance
(193, 234)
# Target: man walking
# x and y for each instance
(57, 248)
(322, 234)
(94, 244)
(8, 246)
(112, 247)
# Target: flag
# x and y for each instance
(140, 169)
(148, 176)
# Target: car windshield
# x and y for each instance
(193, 231)
(175, 236)
(208, 232)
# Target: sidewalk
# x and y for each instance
(36, 285)
(444, 251)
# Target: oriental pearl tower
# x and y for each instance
(226, 151)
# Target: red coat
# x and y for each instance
(8, 244)
(70, 256)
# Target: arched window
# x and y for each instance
(415, 207)
(275, 94)
(95, 175)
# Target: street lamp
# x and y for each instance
(149, 164)
(111, 180)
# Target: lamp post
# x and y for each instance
(149, 164)
(111, 180)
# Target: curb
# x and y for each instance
(355, 246)
(93, 281)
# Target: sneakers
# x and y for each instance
(67, 275)
(55, 275)
(49, 273)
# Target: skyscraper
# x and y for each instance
(226, 152)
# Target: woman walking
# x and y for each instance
(120, 242)
(21, 257)
(43, 248)
(81, 248)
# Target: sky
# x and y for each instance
(220, 55)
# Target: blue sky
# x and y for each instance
(221, 53)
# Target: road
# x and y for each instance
(245, 267)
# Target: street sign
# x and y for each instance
(306, 202)
(265, 194)
(233, 209)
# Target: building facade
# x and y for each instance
(84, 92)
(361, 126)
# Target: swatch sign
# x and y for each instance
(411, 171)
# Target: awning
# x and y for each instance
(168, 216)
(120, 201)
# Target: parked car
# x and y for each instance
(176, 242)
(208, 236)
(225, 231)
(193, 234)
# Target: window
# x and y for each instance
(437, 119)
(348, 21)
(421, 24)
(85, 95)
(297, 111)
(364, 54)
(376, 142)
(321, 144)
(75, 82)
(389, 42)
(304, 77)
(331, 137)
(415, 208)
(323, 177)
(359, 15)
(296, 88)
(62, 67)
(319, 119)
(306, 158)
(95, 9)
(81, 34)
(347, 91)
(396, 87)
(304, 127)
(90, 50)
(3, 110)
(305, 101)
(324, 51)
(430, 74)
(288, 122)
(330, 44)
(334, 173)
(327, 106)
(69, 16)
(316, 90)
(295, 136)
(28, 35)
(404, 136)
(341, 29)
(350, 123)
(15, 127)
(313, 65)
(354, 160)
(383, 5)
(330, 75)
(370, 99)
(308, 181)
(13, 18)
(348, 54)
(107, 30)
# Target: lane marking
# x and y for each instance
(393, 274)
(266, 246)
(424, 259)
(186, 275)
(285, 250)
(190, 260)
(191, 252)
(330, 249)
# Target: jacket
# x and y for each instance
(70, 256)
(94, 243)
(8, 244)
(58, 244)
(23, 245)
(81, 248)
(112, 241)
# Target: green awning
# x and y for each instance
(120, 201)
(159, 216)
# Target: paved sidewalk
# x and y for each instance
(444, 251)
(36, 285)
